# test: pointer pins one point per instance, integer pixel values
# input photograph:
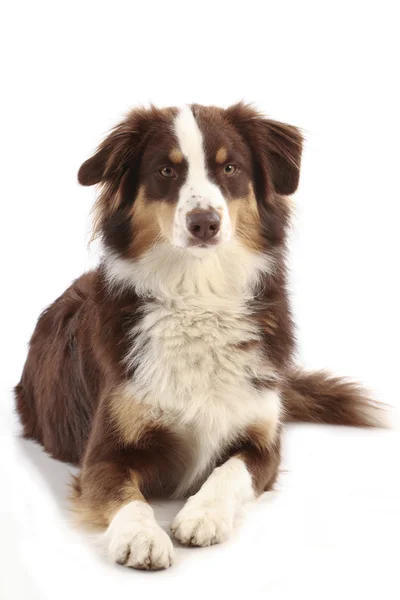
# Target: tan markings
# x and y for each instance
(130, 418)
(166, 217)
(262, 434)
(145, 224)
(153, 221)
(245, 220)
(82, 511)
(269, 324)
(221, 156)
(104, 207)
(130, 491)
(261, 454)
(94, 514)
(176, 156)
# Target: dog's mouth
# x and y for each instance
(193, 243)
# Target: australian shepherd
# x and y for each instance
(169, 369)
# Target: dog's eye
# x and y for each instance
(167, 172)
(230, 169)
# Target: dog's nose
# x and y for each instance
(203, 224)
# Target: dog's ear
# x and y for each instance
(92, 171)
(283, 145)
(114, 154)
(276, 146)
(276, 151)
(115, 166)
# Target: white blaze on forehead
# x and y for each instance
(198, 191)
(191, 144)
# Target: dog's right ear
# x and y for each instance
(92, 170)
(114, 165)
(119, 149)
(113, 156)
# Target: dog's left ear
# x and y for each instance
(283, 145)
(277, 147)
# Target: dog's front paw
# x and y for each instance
(135, 540)
(202, 526)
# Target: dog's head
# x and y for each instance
(195, 178)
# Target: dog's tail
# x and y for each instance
(318, 397)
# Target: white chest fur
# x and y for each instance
(191, 363)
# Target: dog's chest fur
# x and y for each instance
(195, 353)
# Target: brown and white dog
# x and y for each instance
(168, 370)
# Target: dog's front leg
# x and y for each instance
(208, 516)
(126, 459)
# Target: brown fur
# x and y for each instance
(318, 397)
(261, 454)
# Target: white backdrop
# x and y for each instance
(69, 71)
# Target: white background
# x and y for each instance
(69, 71)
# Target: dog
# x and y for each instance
(169, 370)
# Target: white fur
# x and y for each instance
(208, 516)
(188, 367)
(167, 272)
(197, 191)
(134, 539)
